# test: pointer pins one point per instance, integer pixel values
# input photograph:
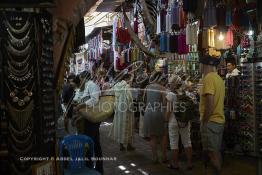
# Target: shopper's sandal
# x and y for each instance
(173, 167)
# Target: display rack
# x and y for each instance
(246, 132)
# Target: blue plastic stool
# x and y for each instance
(75, 145)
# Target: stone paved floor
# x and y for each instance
(138, 162)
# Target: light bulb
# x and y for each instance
(221, 36)
(250, 32)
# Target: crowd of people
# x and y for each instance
(158, 101)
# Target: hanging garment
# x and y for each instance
(211, 37)
(229, 38)
(244, 19)
(168, 22)
(175, 13)
(200, 9)
(163, 42)
(228, 17)
(210, 14)
(245, 42)
(136, 24)
(182, 47)
(163, 20)
(181, 17)
(221, 15)
(190, 5)
(205, 38)
(191, 34)
(123, 35)
(173, 42)
(168, 42)
(235, 18)
(158, 31)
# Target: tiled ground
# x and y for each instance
(138, 162)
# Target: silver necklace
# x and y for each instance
(46, 26)
(24, 141)
(23, 132)
(16, 71)
(17, 31)
(20, 79)
(19, 63)
(25, 113)
(16, 52)
(19, 42)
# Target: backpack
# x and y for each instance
(187, 109)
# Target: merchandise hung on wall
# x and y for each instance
(28, 86)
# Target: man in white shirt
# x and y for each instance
(90, 98)
(231, 69)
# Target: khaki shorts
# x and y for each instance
(211, 136)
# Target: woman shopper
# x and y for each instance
(122, 130)
(155, 126)
(176, 128)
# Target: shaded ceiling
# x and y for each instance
(109, 5)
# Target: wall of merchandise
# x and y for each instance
(27, 87)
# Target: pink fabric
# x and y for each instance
(182, 47)
(229, 38)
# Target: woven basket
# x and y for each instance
(101, 111)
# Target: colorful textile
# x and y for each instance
(210, 14)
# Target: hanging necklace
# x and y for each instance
(19, 150)
(23, 132)
(22, 118)
(19, 42)
(46, 26)
(17, 31)
(20, 79)
(16, 52)
(20, 102)
(18, 63)
(22, 87)
(16, 71)
(24, 141)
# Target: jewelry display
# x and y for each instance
(23, 132)
(21, 117)
(17, 41)
(16, 71)
(24, 141)
(16, 171)
(46, 26)
(16, 52)
(21, 151)
(18, 63)
(21, 87)
(20, 79)
(24, 100)
(17, 31)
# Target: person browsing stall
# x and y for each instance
(211, 109)
(90, 98)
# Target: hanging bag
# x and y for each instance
(187, 110)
